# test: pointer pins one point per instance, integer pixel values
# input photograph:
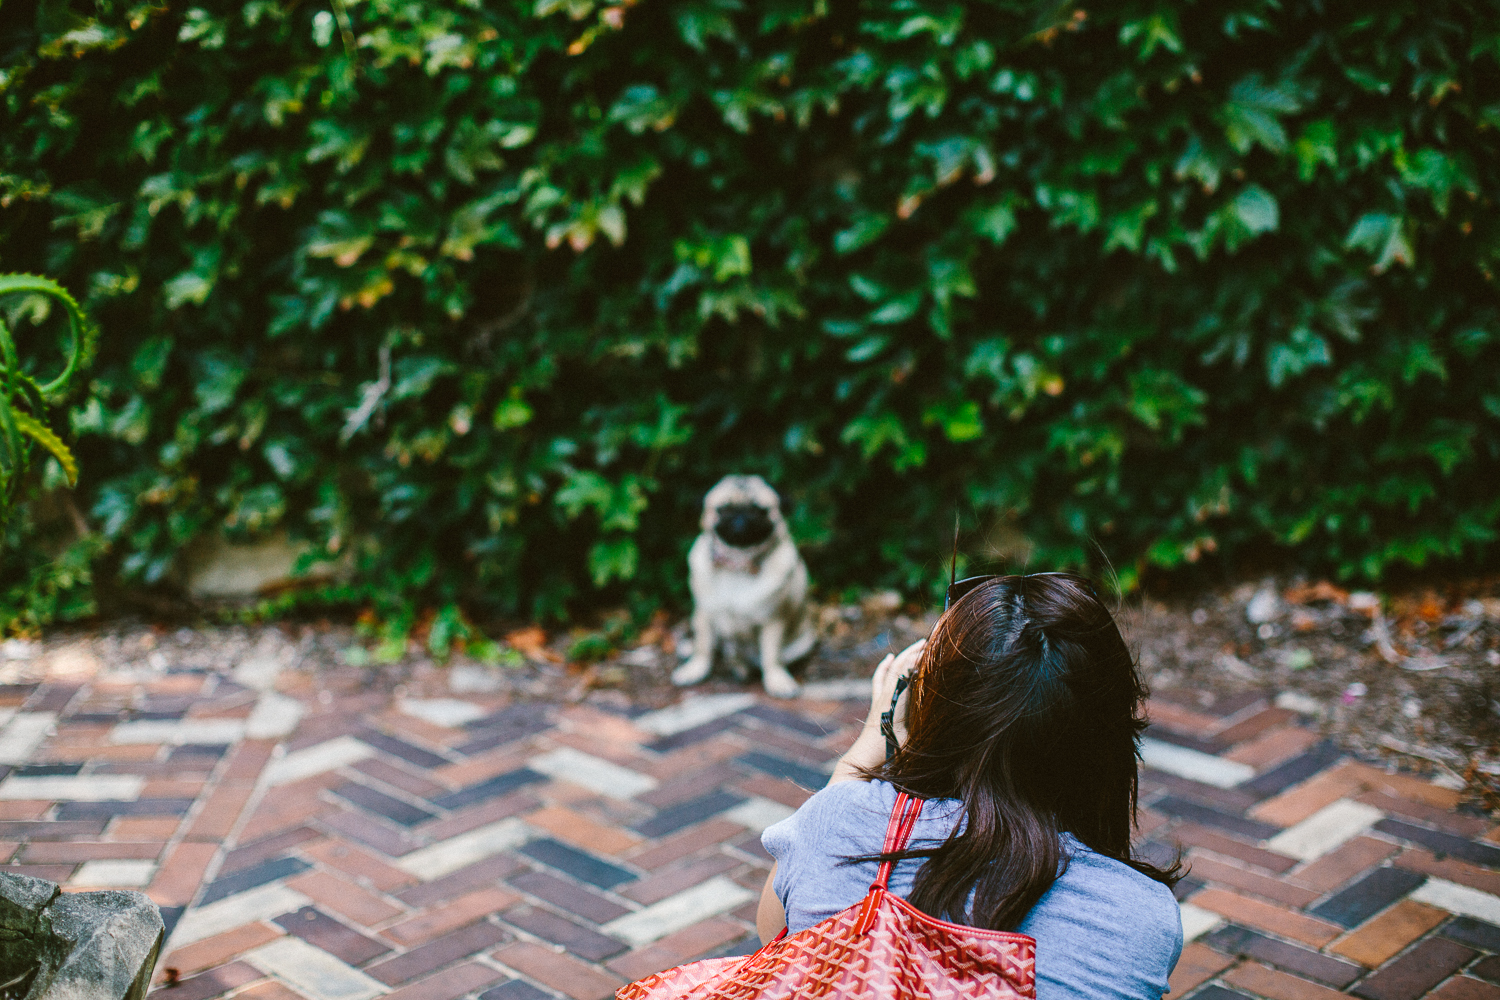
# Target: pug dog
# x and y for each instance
(749, 587)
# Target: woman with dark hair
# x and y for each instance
(1020, 730)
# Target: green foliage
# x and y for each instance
(483, 297)
(23, 398)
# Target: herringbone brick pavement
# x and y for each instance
(310, 836)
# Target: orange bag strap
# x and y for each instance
(903, 820)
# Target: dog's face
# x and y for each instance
(743, 511)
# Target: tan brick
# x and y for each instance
(1408, 786)
(75, 851)
(561, 972)
(612, 729)
(449, 915)
(220, 948)
(1277, 985)
(178, 877)
(1337, 867)
(1267, 916)
(1199, 963)
(144, 827)
(1382, 936)
(344, 898)
(1235, 876)
(268, 990)
(24, 809)
(580, 831)
(1301, 801)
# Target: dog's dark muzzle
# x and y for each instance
(743, 524)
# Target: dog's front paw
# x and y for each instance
(780, 684)
(692, 672)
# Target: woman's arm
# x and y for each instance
(869, 746)
(770, 918)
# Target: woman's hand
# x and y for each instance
(869, 747)
(887, 672)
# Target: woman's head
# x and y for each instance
(1025, 704)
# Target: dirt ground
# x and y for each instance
(1411, 677)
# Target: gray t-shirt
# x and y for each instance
(1103, 931)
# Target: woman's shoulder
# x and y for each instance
(1104, 930)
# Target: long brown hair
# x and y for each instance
(1025, 706)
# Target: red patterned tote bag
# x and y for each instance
(881, 947)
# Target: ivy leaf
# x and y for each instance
(613, 559)
(1252, 114)
(1257, 210)
(1384, 235)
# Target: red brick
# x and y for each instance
(561, 972)
(220, 813)
(1235, 876)
(220, 948)
(1193, 835)
(1338, 867)
(1277, 985)
(358, 862)
(782, 790)
(24, 809)
(247, 760)
(1271, 748)
(1199, 963)
(1267, 917)
(1420, 860)
(676, 949)
(1465, 988)
(695, 838)
(213, 983)
(344, 898)
(454, 913)
(1443, 819)
(75, 851)
(1254, 725)
(670, 881)
(490, 812)
(449, 983)
(177, 879)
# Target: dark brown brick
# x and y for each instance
(564, 895)
(464, 880)
(581, 941)
(450, 947)
(319, 929)
(1416, 972)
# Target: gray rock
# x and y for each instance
(1264, 607)
(75, 946)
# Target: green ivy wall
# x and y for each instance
(482, 296)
